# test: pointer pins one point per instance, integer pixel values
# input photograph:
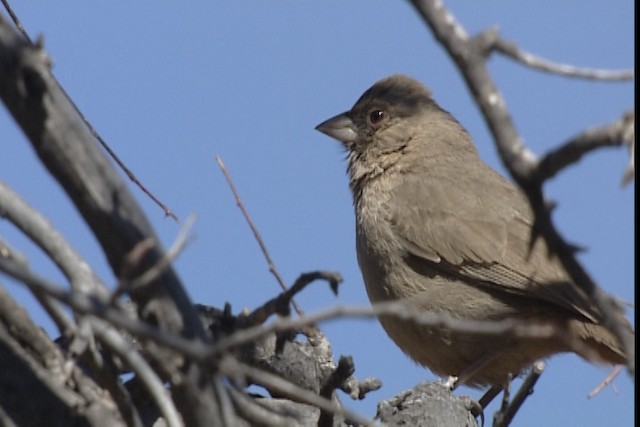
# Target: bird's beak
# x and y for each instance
(340, 127)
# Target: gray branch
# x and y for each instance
(469, 55)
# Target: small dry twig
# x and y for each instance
(609, 380)
(536, 62)
(504, 417)
(168, 212)
(280, 304)
(135, 256)
(254, 230)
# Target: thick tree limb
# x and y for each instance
(68, 150)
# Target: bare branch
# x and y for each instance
(613, 134)
(114, 340)
(227, 412)
(609, 380)
(322, 348)
(504, 417)
(67, 148)
(254, 230)
(536, 62)
(470, 54)
(202, 380)
(201, 352)
(15, 20)
(93, 305)
(280, 304)
(155, 271)
(256, 412)
(42, 233)
(234, 368)
(405, 311)
(34, 368)
(93, 131)
(33, 338)
(132, 177)
(343, 371)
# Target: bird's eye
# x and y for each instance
(376, 116)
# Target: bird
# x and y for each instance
(440, 229)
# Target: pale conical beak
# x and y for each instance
(340, 127)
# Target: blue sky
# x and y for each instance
(170, 85)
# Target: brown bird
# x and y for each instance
(439, 228)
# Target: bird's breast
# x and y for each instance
(378, 249)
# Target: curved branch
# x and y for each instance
(613, 134)
(470, 54)
(42, 233)
(111, 338)
(37, 228)
(538, 63)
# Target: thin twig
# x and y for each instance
(94, 132)
(15, 20)
(538, 63)
(150, 275)
(612, 134)
(504, 418)
(99, 307)
(41, 232)
(203, 352)
(132, 177)
(280, 303)
(485, 400)
(254, 230)
(401, 310)
(612, 376)
(314, 334)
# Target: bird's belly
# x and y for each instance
(448, 351)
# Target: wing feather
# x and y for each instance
(480, 231)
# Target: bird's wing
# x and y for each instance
(478, 228)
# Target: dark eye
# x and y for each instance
(376, 116)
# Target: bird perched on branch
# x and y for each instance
(440, 229)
